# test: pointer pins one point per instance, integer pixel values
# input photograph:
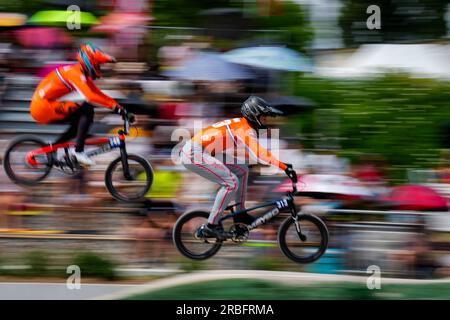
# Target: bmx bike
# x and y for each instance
(303, 238)
(28, 160)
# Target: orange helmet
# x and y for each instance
(91, 57)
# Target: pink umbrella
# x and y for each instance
(417, 198)
(43, 37)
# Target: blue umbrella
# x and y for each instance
(209, 67)
(271, 57)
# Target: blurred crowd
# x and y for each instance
(170, 87)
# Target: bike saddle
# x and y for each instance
(231, 206)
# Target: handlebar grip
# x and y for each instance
(126, 125)
(295, 177)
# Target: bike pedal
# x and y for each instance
(199, 232)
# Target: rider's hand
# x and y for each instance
(291, 172)
(131, 118)
(118, 109)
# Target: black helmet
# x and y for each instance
(254, 107)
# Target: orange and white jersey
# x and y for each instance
(45, 106)
(230, 133)
(71, 78)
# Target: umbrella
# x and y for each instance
(60, 17)
(208, 67)
(271, 57)
(414, 197)
(9, 19)
(328, 184)
(42, 37)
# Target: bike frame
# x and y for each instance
(280, 204)
(106, 145)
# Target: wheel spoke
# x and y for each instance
(17, 166)
(186, 240)
(313, 246)
(126, 188)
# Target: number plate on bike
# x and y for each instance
(114, 142)
(282, 204)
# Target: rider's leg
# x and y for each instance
(241, 172)
(228, 182)
(214, 170)
(80, 120)
(72, 117)
(85, 121)
(70, 133)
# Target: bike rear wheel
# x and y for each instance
(309, 249)
(16, 163)
(136, 187)
(185, 240)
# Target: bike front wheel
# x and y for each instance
(186, 240)
(136, 185)
(307, 247)
(21, 167)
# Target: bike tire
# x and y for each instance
(282, 232)
(177, 230)
(109, 180)
(7, 161)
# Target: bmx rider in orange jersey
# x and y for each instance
(46, 108)
(197, 156)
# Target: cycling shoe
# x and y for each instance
(213, 231)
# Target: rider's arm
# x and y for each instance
(92, 93)
(250, 142)
(97, 90)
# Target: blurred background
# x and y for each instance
(367, 127)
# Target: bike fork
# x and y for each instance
(124, 160)
(301, 236)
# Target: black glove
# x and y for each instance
(131, 118)
(291, 172)
(118, 109)
(124, 113)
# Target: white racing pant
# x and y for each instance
(232, 178)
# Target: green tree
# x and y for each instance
(401, 20)
(289, 18)
(400, 118)
(293, 20)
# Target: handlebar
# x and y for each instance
(127, 121)
(293, 176)
(294, 186)
(126, 125)
(128, 118)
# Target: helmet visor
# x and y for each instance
(101, 57)
(273, 112)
